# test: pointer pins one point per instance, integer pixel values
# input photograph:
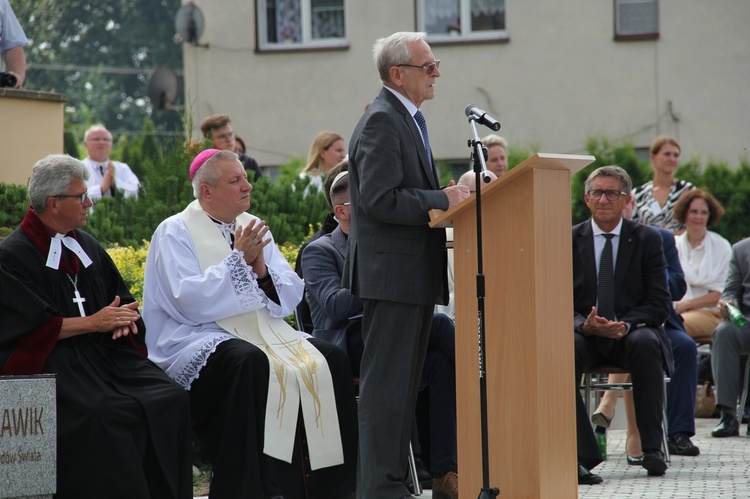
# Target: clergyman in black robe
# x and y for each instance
(123, 424)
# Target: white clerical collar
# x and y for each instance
(55, 251)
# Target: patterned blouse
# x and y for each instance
(647, 209)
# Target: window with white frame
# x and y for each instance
(284, 24)
(447, 20)
(636, 19)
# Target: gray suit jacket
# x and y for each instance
(737, 286)
(331, 305)
(393, 254)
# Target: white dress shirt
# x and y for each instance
(125, 179)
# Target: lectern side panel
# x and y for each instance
(554, 320)
(510, 342)
(467, 365)
(511, 337)
(526, 398)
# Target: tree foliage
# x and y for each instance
(293, 208)
(123, 38)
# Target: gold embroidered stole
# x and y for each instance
(298, 372)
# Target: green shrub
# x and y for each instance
(290, 205)
(14, 201)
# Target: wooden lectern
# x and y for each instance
(527, 263)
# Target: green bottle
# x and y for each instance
(737, 317)
(601, 440)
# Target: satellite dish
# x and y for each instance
(162, 87)
(189, 23)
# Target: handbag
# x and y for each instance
(705, 401)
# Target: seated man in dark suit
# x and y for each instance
(335, 312)
(681, 388)
(621, 301)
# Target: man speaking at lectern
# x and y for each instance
(396, 263)
(621, 301)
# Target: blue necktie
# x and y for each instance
(419, 118)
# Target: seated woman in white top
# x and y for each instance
(704, 256)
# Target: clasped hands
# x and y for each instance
(249, 240)
(595, 325)
(109, 177)
(118, 319)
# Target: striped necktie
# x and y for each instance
(419, 118)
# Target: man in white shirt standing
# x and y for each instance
(106, 177)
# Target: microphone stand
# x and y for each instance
(480, 170)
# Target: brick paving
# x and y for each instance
(722, 471)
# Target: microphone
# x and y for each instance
(481, 116)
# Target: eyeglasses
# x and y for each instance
(100, 139)
(427, 68)
(82, 197)
(344, 204)
(610, 195)
(225, 136)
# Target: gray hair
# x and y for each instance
(52, 176)
(626, 184)
(95, 128)
(394, 50)
(209, 173)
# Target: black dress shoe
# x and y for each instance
(680, 445)
(585, 477)
(728, 427)
(653, 461)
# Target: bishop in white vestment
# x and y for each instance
(274, 413)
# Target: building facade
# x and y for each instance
(553, 73)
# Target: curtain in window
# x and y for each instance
(327, 19)
(444, 16)
(288, 25)
(487, 7)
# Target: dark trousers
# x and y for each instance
(439, 377)
(228, 403)
(684, 379)
(639, 352)
(395, 337)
